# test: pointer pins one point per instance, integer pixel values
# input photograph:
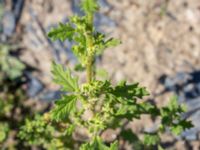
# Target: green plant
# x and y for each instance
(13, 109)
(10, 67)
(3, 131)
(12, 114)
(98, 105)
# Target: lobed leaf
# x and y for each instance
(62, 32)
(151, 139)
(129, 91)
(101, 44)
(135, 110)
(132, 138)
(64, 78)
(9, 65)
(89, 6)
(112, 42)
(64, 107)
(171, 117)
(97, 144)
(36, 131)
(181, 126)
(4, 130)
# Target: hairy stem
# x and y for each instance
(90, 69)
(90, 50)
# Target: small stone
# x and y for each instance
(9, 23)
(105, 6)
(102, 20)
(190, 91)
(190, 135)
(168, 83)
(50, 96)
(195, 77)
(198, 88)
(109, 135)
(34, 86)
(87, 115)
(182, 78)
(75, 7)
(193, 104)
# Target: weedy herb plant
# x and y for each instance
(13, 111)
(107, 105)
(10, 67)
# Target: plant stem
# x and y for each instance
(90, 69)
(90, 50)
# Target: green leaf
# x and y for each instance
(174, 107)
(151, 139)
(102, 73)
(64, 107)
(149, 108)
(114, 146)
(135, 110)
(101, 44)
(2, 136)
(181, 126)
(62, 32)
(9, 65)
(80, 53)
(112, 42)
(132, 138)
(64, 78)
(4, 129)
(178, 129)
(160, 147)
(89, 6)
(79, 68)
(70, 129)
(129, 91)
(15, 69)
(173, 104)
(36, 131)
(97, 144)
(171, 117)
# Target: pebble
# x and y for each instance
(35, 86)
(102, 20)
(195, 76)
(49, 96)
(75, 7)
(18, 6)
(193, 109)
(195, 119)
(104, 5)
(182, 78)
(9, 23)
(168, 83)
(190, 135)
(198, 87)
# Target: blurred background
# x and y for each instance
(160, 49)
